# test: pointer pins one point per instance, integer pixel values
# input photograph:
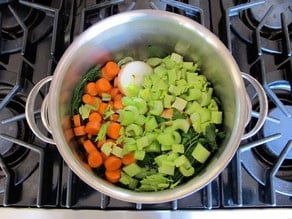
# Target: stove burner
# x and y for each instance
(269, 21)
(13, 154)
(261, 159)
(273, 21)
(11, 130)
(284, 127)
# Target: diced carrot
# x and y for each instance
(79, 131)
(115, 117)
(110, 70)
(103, 86)
(167, 113)
(118, 104)
(76, 120)
(92, 127)
(88, 99)
(113, 176)
(94, 116)
(94, 159)
(113, 130)
(128, 158)
(90, 88)
(102, 107)
(89, 146)
(114, 92)
(112, 163)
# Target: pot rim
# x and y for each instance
(124, 194)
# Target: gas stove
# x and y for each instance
(34, 34)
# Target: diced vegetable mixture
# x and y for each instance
(159, 135)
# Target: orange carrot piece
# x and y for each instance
(90, 88)
(94, 116)
(115, 117)
(118, 104)
(88, 99)
(114, 92)
(76, 120)
(167, 113)
(113, 176)
(92, 127)
(94, 159)
(89, 146)
(102, 107)
(129, 159)
(110, 70)
(112, 163)
(79, 131)
(103, 86)
(113, 130)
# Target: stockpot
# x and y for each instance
(140, 34)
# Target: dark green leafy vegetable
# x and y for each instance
(92, 75)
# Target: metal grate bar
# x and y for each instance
(40, 151)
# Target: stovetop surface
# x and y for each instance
(34, 34)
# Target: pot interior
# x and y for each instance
(142, 34)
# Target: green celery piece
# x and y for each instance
(182, 161)
(179, 103)
(141, 104)
(150, 123)
(128, 181)
(153, 147)
(129, 147)
(140, 120)
(175, 90)
(166, 167)
(193, 107)
(85, 109)
(193, 94)
(106, 148)
(156, 107)
(196, 121)
(106, 97)
(176, 57)
(132, 169)
(179, 148)
(205, 115)
(102, 132)
(166, 139)
(200, 153)
(117, 151)
(153, 62)
(126, 117)
(213, 106)
(139, 154)
(181, 124)
(145, 94)
(133, 130)
(172, 76)
(168, 100)
(216, 117)
(187, 172)
(142, 142)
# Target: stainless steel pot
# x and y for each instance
(131, 34)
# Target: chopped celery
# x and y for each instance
(156, 107)
(102, 132)
(176, 57)
(182, 124)
(166, 167)
(133, 130)
(117, 151)
(179, 103)
(200, 153)
(106, 148)
(139, 154)
(187, 171)
(132, 169)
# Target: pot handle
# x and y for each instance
(263, 102)
(29, 111)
